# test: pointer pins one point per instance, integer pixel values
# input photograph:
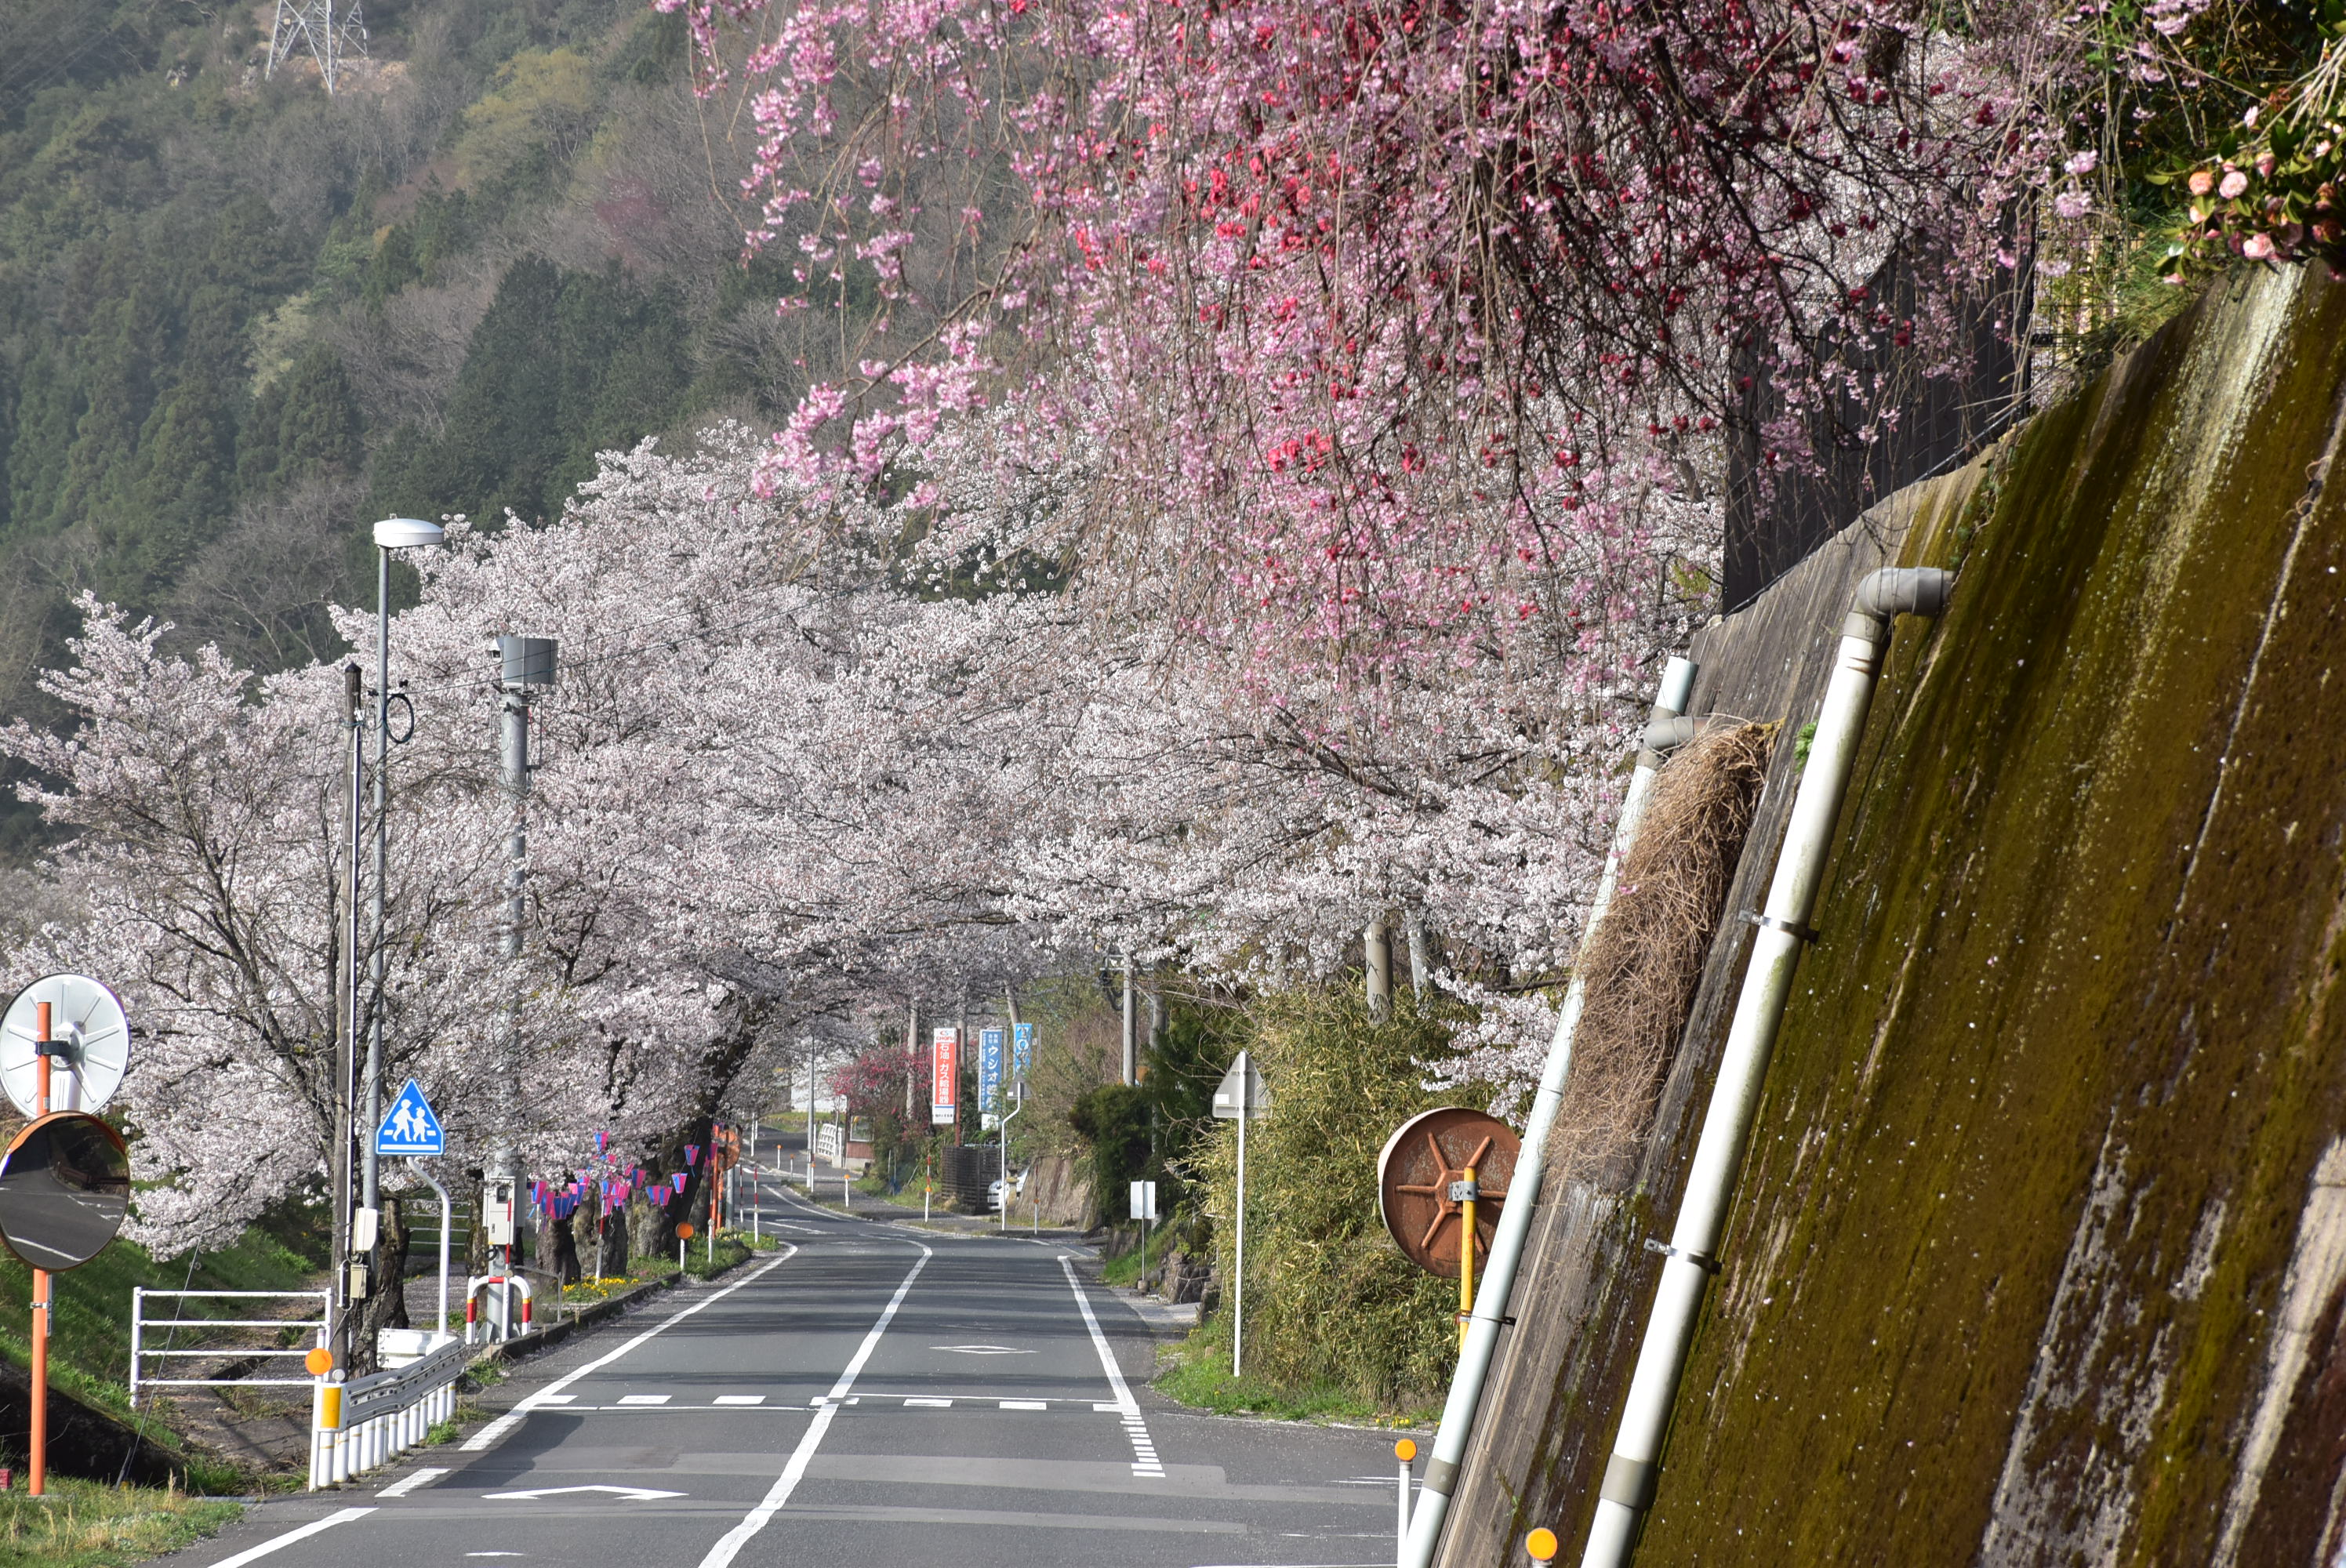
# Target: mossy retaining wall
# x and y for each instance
(2039, 1254)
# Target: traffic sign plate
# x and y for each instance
(410, 1128)
(1251, 1094)
(93, 1045)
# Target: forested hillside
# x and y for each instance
(240, 316)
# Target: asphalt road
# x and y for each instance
(876, 1395)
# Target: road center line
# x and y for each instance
(505, 1423)
(758, 1518)
(254, 1553)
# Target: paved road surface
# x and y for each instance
(876, 1395)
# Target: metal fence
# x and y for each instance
(142, 1351)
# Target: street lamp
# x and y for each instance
(391, 533)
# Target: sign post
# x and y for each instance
(411, 1131)
(1241, 1096)
(1144, 1209)
(63, 1047)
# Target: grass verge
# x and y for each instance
(1199, 1376)
(87, 1524)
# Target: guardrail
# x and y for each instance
(140, 1352)
(372, 1419)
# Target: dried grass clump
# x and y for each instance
(1644, 958)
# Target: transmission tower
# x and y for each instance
(335, 34)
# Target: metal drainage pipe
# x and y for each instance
(1692, 1256)
(1522, 1192)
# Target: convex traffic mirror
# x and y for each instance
(64, 1186)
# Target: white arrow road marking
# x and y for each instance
(826, 1410)
(624, 1493)
(254, 1554)
(546, 1395)
(983, 1350)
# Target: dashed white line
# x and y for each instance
(931, 1404)
(1026, 1404)
(730, 1544)
(505, 1423)
(740, 1399)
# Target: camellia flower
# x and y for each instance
(2234, 183)
(2258, 246)
(2203, 180)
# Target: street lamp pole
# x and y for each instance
(391, 533)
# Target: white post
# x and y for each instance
(1400, 1525)
(1238, 1266)
(137, 1311)
(447, 1216)
(754, 1232)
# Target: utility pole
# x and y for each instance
(523, 665)
(346, 1066)
(1131, 1039)
(912, 1056)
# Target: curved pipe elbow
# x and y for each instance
(1668, 733)
(1903, 591)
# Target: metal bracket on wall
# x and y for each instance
(1708, 1264)
(1789, 928)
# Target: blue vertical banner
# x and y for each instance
(990, 1043)
(1021, 1052)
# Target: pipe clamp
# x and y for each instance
(1792, 929)
(1631, 1482)
(1703, 1261)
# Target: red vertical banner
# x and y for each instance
(945, 1080)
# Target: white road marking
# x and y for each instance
(556, 1398)
(407, 1484)
(1026, 1404)
(758, 1518)
(505, 1423)
(983, 1350)
(1144, 1462)
(302, 1532)
(931, 1404)
(740, 1399)
(624, 1493)
(1108, 1409)
(644, 1398)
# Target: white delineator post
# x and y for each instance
(1404, 1450)
(1523, 1196)
(1692, 1256)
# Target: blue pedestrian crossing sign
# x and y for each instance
(411, 1128)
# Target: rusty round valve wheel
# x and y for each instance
(1420, 1178)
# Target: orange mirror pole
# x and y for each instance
(1542, 1544)
(38, 1439)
